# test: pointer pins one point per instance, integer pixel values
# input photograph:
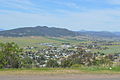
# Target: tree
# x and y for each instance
(52, 63)
(27, 62)
(2, 60)
(10, 55)
(66, 63)
(104, 61)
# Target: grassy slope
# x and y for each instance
(27, 41)
(33, 41)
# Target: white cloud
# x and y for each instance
(114, 2)
(102, 19)
(68, 4)
(20, 5)
(64, 3)
(90, 20)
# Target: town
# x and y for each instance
(66, 51)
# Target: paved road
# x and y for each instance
(61, 77)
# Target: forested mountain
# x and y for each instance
(38, 31)
(54, 32)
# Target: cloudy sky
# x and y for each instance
(97, 15)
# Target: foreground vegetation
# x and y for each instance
(55, 71)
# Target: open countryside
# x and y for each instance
(65, 55)
(59, 39)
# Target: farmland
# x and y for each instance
(35, 41)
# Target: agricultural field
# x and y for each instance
(111, 50)
(26, 41)
(36, 41)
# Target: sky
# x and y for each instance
(95, 15)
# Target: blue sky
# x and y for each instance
(97, 15)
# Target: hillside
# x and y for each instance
(54, 32)
(99, 33)
(38, 31)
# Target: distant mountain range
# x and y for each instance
(100, 33)
(1, 29)
(38, 31)
(117, 33)
(54, 32)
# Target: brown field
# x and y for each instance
(57, 75)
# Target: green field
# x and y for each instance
(30, 41)
(111, 50)
(93, 70)
(35, 41)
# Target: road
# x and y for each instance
(62, 77)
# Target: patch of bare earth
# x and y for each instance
(62, 76)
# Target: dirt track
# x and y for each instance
(62, 77)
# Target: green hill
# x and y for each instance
(38, 31)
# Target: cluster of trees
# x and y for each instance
(10, 55)
(83, 59)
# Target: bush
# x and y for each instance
(66, 63)
(77, 66)
(52, 63)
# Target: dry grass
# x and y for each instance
(53, 71)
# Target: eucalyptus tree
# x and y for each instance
(10, 55)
